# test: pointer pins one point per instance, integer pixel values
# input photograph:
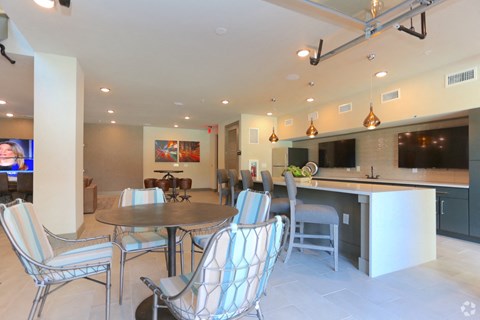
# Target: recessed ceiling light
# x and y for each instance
(178, 103)
(303, 53)
(221, 31)
(310, 100)
(381, 74)
(110, 111)
(293, 77)
(187, 117)
(9, 115)
(175, 125)
(45, 3)
(3, 102)
(269, 113)
(104, 89)
(113, 121)
(225, 101)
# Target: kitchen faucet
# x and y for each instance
(372, 176)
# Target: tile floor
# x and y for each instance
(306, 288)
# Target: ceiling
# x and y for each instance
(164, 60)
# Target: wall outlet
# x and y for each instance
(414, 170)
(358, 168)
(346, 218)
(348, 169)
(176, 165)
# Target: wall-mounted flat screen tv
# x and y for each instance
(16, 155)
(438, 148)
(337, 154)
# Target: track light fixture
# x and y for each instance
(315, 60)
(411, 30)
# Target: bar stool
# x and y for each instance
(163, 184)
(223, 189)
(149, 182)
(173, 185)
(313, 214)
(185, 184)
(234, 186)
(278, 205)
(247, 181)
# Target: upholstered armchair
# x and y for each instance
(89, 195)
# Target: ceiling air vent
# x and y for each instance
(345, 108)
(391, 95)
(288, 122)
(461, 77)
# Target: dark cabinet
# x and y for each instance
(452, 210)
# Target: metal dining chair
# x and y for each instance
(231, 277)
(252, 206)
(140, 240)
(51, 260)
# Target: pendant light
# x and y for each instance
(311, 131)
(273, 137)
(371, 121)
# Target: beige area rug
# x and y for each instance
(107, 202)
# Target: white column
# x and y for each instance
(58, 138)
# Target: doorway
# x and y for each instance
(232, 146)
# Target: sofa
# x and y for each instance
(89, 195)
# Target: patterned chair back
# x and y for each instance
(233, 273)
(253, 207)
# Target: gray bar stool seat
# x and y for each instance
(314, 214)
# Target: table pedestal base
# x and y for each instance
(144, 311)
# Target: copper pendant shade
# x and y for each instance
(371, 121)
(311, 131)
(273, 137)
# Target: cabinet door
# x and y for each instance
(453, 215)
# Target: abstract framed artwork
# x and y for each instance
(166, 151)
(189, 151)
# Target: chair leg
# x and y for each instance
(43, 298)
(301, 226)
(290, 241)
(192, 257)
(108, 286)
(335, 246)
(155, 307)
(259, 310)
(182, 262)
(38, 296)
(122, 273)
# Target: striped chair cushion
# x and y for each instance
(253, 207)
(28, 232)
(233, 277)
(143, 240)
(133, 197)
(99, 253)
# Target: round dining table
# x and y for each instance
(169, 215)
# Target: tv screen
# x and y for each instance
(438, 148)
(16, 155)
(337, 154)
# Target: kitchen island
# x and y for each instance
(397, 223)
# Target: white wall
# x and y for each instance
(201, 173)
(421, 97)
